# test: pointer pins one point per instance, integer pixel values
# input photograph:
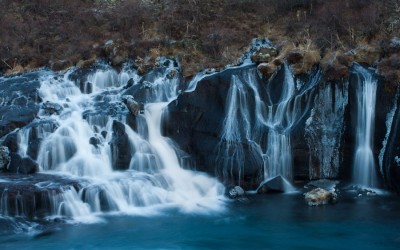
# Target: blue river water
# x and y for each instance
(274, 221)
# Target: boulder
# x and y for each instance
(130, 83)
(121, 149)
(94, 141)
(274, 185)
(236, 192)
(329, 185)
(134, 107)
(320, 196)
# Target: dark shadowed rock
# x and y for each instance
(4, 157)
(32, 196)
(15, 163)
(11, 142)
(129, 84)
(28, 166)
(94, 141)
(274, 185)
(121, 150)
(19, 101)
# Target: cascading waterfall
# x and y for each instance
(80, 143)
(282, 116)
(266, 128)
(278, 155)
(364, 172)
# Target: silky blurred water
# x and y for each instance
(259, 222)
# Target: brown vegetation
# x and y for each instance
(201, 34)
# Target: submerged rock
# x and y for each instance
(320, 196)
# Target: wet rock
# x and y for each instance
(4, 157)
(264, 55)
(324, 130)
(50, 108)
(15, 163)
(19, 97)
(329, 185)
(134, 107)
(236, 192)
(94, 141)
(22, 165)
(129, 84)
(32, 196)
(320, 196)
(28, 166)
(11, 142)
(121, 149)
(195, 121)
(274, 185)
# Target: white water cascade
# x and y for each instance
(153, 180)
(263, 125)
(364, 172)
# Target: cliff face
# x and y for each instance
(244, 126)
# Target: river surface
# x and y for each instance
(275, 221)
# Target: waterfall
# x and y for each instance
(283, 115)
(259, 121)
(364, 172)
(119, 169)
